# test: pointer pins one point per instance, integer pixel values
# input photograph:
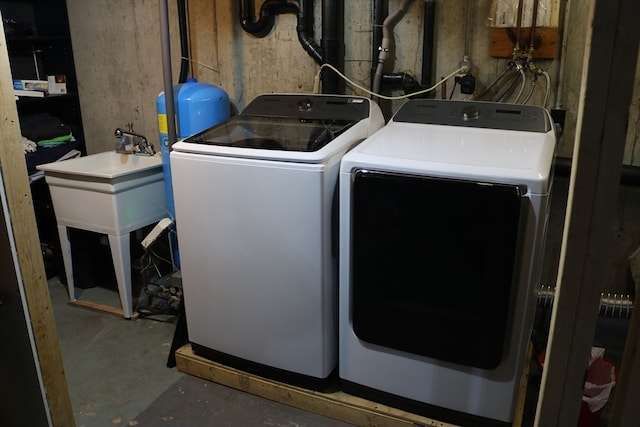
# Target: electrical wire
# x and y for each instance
(316, 84)
(455, 82)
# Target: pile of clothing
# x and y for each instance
(43, 130)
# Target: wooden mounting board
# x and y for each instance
(102, 308)
(337, 405)
(502, 41)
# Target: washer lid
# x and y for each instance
(273, 133)
(289, 127)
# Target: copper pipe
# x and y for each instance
(534, 19)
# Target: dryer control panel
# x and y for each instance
(488, 115)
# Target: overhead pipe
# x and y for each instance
(428, 42)
(630, 175)
(379, 12)
(268, 10)
(332, 37)
(387, 38)
(332, 43)
(184, 41)
(305, 31)
(166, 71)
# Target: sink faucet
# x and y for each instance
(130, 142)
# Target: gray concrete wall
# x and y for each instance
(118, 56)
(118, 60)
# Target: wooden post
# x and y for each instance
(607, 83)
(25, 232)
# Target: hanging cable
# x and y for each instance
(316, 84)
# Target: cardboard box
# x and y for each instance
(57, 84)
(39, 85)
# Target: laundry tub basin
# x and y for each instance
(108, 192)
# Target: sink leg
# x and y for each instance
(65, 247)
(120, 252)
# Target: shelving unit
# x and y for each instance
(39, 44)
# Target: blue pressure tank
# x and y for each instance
(198, 106)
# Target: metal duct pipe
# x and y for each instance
(387, 38)
(612, 305)
(428, 42)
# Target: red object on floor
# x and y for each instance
(587, 418)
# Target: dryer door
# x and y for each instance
(435, 263)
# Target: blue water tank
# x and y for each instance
(198, 106)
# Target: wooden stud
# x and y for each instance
(607, 81)
(20, 204)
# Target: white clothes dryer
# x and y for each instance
(255, 210)
(442, 221)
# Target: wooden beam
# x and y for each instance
(25, 233)
(337, 405)
(100, 308)
(607, 82)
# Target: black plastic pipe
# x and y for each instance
(184, 41)
(629, 176)
(379, 13)
(305, 31)
(268, 10)
(332, 44)
(332, 50)
(165, 44)
(428, 42)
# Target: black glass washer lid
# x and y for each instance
(272, 133)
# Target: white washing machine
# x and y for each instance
(254, 200)
(443, 214)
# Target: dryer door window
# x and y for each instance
(434, 265)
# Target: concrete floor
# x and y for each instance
(117, 375)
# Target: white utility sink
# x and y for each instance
(109, 193)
